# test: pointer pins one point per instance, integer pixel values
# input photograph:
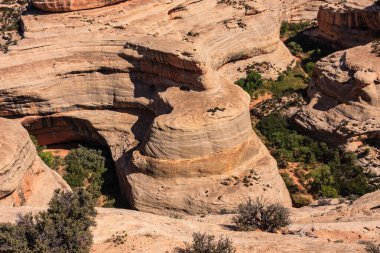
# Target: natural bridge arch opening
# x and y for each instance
(62, 135)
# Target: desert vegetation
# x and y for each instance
(84, 168)
(52, 161)
(205, 243)
(323, 171)
(372, 247)
(306, 49)
(10, 15)
(64, 227)
(88, 168)
(311, 169)
(260, 214)
(291, 29)
(293, 79)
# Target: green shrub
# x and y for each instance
(39, 148)
(261, 215)
(290, 29)
(48, 158)
(85, 165)
(251, 83)
(309, 67)
(294, 48)
(321, 177)
(292, 187)
(329, 192)
(64, 227)
(300, 200)
(204, 243)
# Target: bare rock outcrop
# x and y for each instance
(349, 23)
(71, 5)
(25, 179)
(145, 78)
(303, 10)
(345, 97)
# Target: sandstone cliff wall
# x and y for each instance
(349, 24)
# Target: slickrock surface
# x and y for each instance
(71, 5)
(164, 59)
(345, 97)
(314, 229)
(350, 23)
(25, 179)
(303, 10)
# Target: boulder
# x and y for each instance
(25, 179)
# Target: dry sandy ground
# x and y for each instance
(315, 229)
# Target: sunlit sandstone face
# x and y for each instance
(345, 97)
(25, 179)
(152, 78)
(349, 24)
(71, 5)
(344, 90)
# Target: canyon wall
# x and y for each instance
(151, 80)
(303, 10)
(349, 24)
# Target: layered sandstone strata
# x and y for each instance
(345, 97)
(303, 10)
(349, 23)
(145, 79)
(25, 179)
(71, 5)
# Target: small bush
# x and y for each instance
(324, 202)
(371, 247)
(251, 83)
(48, 158)
(294, 48)
(261, 215)
(290, 29)
(300, 200)
(64, 227)
(309, 67)
(204, 243)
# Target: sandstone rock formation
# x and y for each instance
(25, 179)
(146, 78)
(303, 10)
(71, 5)
(345, 97)
(349, 23)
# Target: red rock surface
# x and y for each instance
(71, 5)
